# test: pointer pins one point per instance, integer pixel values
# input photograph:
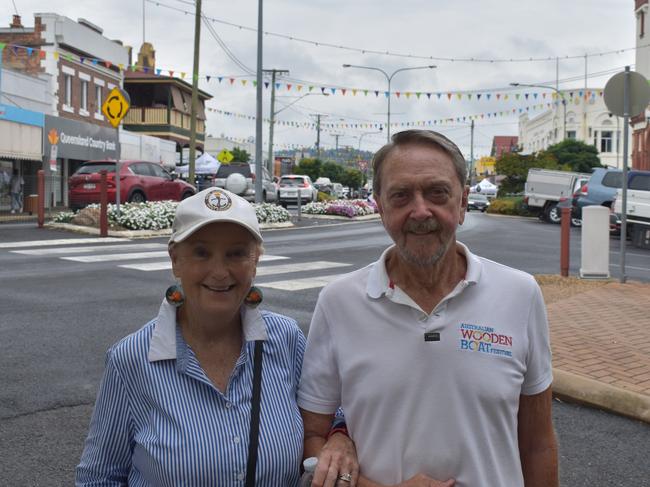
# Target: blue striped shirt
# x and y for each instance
(159, 421)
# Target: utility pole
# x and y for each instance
(318, 117)
(195, 90)
(258, 123)
(273, 72)
(471, 154)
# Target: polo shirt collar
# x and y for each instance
(163, 339)
(379, 282)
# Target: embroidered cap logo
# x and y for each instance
(218, 201)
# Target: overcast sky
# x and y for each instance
(471, 29)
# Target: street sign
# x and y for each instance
(225, 156)
(639, 94)
(115, 106)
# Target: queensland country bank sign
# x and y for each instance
(68, 139)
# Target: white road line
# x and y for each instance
(304, 266)
(118, 257)
(299, 284)
(631, 267)
(87, 250)
(63, 241)
(166, 264)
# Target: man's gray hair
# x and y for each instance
(423, 137)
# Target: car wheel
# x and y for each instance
(554, 214)
(263, 196)
(187, 194)
(576, 222)
(483, 210)
(283, 204)
(137, 197)
(236, 183)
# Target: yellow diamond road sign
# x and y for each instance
(115, 106)
(225, 156)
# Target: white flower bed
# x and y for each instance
(269, 213)
(349, 208)
(158, 215)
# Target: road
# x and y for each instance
(66, 300)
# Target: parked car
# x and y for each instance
(290, 184)
(239, 178)
(638, 208)
(139, 181)
(599, 190)
(545, 188)
(477, 201)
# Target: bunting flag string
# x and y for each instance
(379, 125)
(574, 95)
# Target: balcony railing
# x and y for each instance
(158, 116)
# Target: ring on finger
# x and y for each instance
(345, 477)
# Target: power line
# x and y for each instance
(402, 55)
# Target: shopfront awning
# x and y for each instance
(20, 141)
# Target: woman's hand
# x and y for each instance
(337, 458)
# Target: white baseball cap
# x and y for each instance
(209, 206)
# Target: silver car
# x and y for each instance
(290, 184)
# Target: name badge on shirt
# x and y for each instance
(432, 336)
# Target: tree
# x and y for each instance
(575, 155)
(309, 166)
(240, 155)
(515, 166)
(353, 178)
(333, 171)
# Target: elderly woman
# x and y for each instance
(205, 394)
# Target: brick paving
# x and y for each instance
(604, 334)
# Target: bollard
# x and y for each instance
(565, 240)
(41, 197)
(299, 204)
(103, 201)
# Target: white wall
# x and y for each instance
(546, 129)
(27, 92)
(147, 148)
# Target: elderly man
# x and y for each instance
(439, 358)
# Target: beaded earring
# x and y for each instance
(254, 297)
(174, 295)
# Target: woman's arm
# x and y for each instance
(106, 459)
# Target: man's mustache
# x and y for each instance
(429, 225)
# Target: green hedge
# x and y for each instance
(512, 205)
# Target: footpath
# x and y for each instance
(600, 339)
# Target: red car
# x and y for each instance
(139, 181)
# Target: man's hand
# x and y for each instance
(338, 456)
(421, 480)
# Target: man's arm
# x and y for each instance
(537, 443)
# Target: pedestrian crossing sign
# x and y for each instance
(225, 157)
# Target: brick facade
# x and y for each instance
(79, 71)
(19, 59)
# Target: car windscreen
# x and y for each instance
(95, 168)
(292, 181)
(227, 169)
(478, 197)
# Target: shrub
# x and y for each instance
(348, 208)
(269, 213)
(64, 217)
(508, 206)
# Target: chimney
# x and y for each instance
(16, 24)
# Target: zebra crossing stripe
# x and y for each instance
(304, 266)
(63, 241)
(299, 284)
(118, 257)
(86, 250)
(166, 264)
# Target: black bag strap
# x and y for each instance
(255, 415)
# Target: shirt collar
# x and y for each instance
(379, 283)
(163, 339)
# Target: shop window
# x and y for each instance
(98, 99)
(68, 89)
(606, 139)
(84, 95)
(571, 134)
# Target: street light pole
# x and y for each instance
(258, 112)
(272, 118)
(389, 78)
(560, 94)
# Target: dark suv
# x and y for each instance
(599, 190)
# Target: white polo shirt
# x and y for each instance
(446, 405)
